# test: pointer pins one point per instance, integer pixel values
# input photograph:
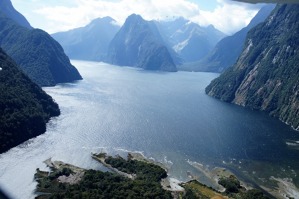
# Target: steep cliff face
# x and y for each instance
(139, 44)
(228, 49)
(266, 75)
(24, 106)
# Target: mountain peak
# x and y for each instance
(133, 18)
(226, 52)
(139, 44)
(89, 42)
(181, 20)
(211, 27)
(189, 40)
(102, 20)
(137, 16)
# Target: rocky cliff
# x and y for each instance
(227, 51)
(266, 75)
(139, 44)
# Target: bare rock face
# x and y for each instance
(226, 52)
(189, 41)
(139, 44)
(266, 75)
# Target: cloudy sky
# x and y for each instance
(61, 15)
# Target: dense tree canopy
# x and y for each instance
(24, 106)
(266, 75)
(36, 53)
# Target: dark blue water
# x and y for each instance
(166, 116)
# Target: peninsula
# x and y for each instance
(134, 177)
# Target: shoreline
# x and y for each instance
(285, 187)
(69, 174)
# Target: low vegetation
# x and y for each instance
(231, 184)
(150, 172)
(98, 184)
(194, 189)
(233, 189)
(145, 184)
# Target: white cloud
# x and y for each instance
(228, 16)
(86, 10)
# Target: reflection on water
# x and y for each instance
(166, 116)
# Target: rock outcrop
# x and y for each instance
(266, 75)
(139, 44)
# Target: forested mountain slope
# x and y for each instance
(36, 52)
(266, 75)
(227, 51)
(24, 107)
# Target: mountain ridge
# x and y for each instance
(227, 50)
(37, 53)
(138, 44)
(189, 40)
(8, 9)
(90, 42)
(265, 76)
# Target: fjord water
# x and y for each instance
(166, 116)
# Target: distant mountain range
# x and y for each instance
(227, 51)
(138, 43)
(189, 40)
(35, 51)
(266, 75)
(185, 41)
(90, 42)
(25, 107)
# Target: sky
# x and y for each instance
(61, 15)
(270, 1)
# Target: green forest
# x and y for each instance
(98, 184)
(266, 75)
(37, 53)
(146, 182)
(24, 107)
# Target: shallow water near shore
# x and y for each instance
(166, 116)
